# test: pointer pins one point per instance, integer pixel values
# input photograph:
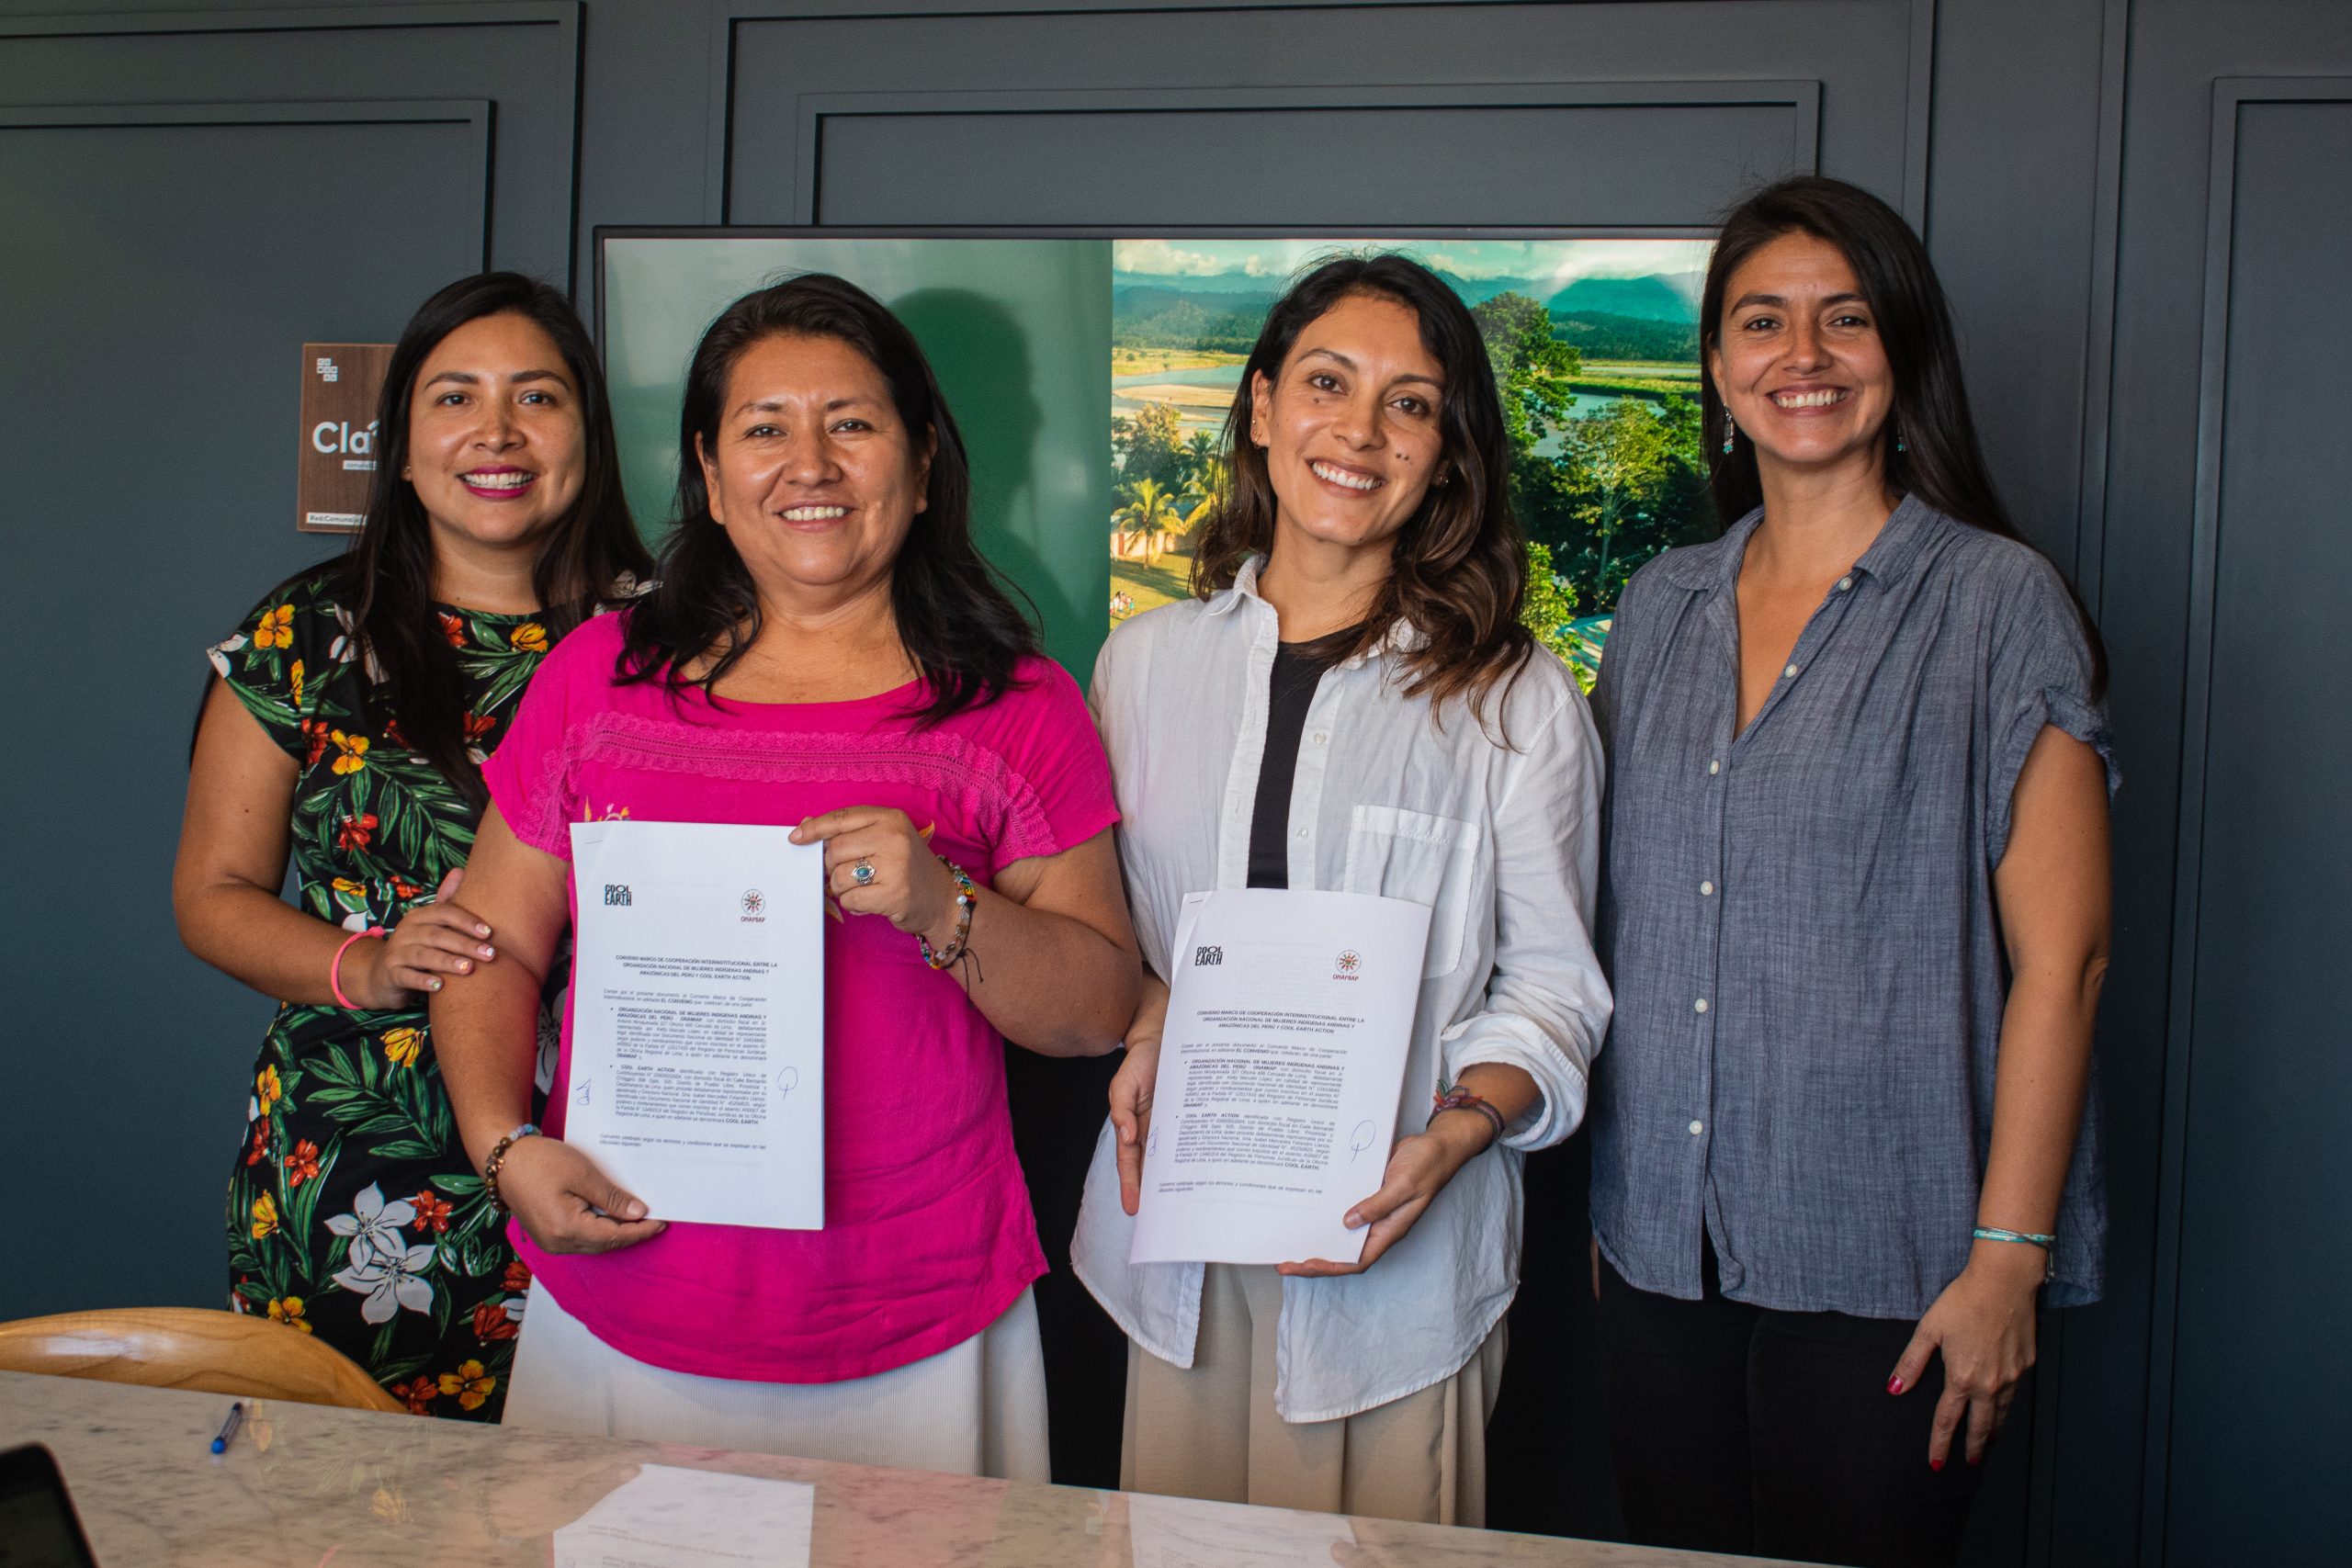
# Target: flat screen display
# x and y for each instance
(38, 1526)
(1091, 376)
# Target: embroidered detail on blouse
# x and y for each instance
(1004, 809)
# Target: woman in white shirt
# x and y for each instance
(1349, 702)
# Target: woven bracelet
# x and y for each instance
(1454, 1096)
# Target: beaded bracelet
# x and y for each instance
(967, 896)
(1454, 1096)
(497, 1161)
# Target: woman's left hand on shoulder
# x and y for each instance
(910, 886)
(1983, 1327)
(1418, 1168)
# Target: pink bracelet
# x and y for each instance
(334, 966)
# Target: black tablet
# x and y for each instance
(38, 1526)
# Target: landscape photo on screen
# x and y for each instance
(1595, 345)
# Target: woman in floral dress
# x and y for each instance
(356, 705)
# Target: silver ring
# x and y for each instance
(861, 872)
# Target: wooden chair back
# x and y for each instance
(214, 1352)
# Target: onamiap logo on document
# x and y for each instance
(1346, 965)
(756, 904)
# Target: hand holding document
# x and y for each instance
(1289, 1017)
(697, 1076)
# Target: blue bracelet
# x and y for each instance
(1988, 1233)
(2050, 1259)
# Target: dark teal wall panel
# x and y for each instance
(163, 276)
(2266, 854)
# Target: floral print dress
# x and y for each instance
(354, 1213)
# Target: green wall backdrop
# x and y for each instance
(1019, 331)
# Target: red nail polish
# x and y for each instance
(1894, 1383)
(1977, 1459)
(1935, 1464)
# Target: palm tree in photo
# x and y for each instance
(1145, 521)
(1204, 489)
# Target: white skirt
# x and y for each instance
(976, 1408)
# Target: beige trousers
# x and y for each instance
(976, 1408)
(1211, 1431)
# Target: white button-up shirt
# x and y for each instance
(1499, 840)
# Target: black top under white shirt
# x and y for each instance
(1298, 668)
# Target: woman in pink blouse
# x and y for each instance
(826, 651)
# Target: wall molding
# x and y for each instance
(2098, 355)
(473, 113)
(564, 16)
(1919, 106)
(729, 11)
(811, 111)
(724, 16)
(2230, 94)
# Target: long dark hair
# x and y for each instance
(1929, 443)
(387, 578)
(956, 622)
(1460, 568)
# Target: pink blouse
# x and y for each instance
(928, 1233)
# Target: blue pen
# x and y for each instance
(229, 1427)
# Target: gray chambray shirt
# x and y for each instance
(1799, 923)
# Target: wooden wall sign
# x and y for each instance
(341, 382)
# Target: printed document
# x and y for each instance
(698, 1020)
(1289, 1016)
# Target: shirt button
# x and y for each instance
(1697, 1128)
(1706, 890)
(1321, 736)
(1307, 832)
(1699, 1006)
(1713, 768)
(1790, 673)
(1844, 583)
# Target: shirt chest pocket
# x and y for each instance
(1430, 859)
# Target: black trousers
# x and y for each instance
(1739, 1430)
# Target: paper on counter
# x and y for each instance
(1179, 1532)
(671, 1517)
(1289, 1018)
(697, 1077)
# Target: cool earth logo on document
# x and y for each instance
(616, 894)
(754, 901)
(1349, 963)
(1207, 957)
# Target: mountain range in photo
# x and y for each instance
(1650, 317)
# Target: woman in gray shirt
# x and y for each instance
(1855, 910)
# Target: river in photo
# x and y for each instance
(1200, 412)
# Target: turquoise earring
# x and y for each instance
(1730, 433)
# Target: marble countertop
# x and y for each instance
(305, 1486)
